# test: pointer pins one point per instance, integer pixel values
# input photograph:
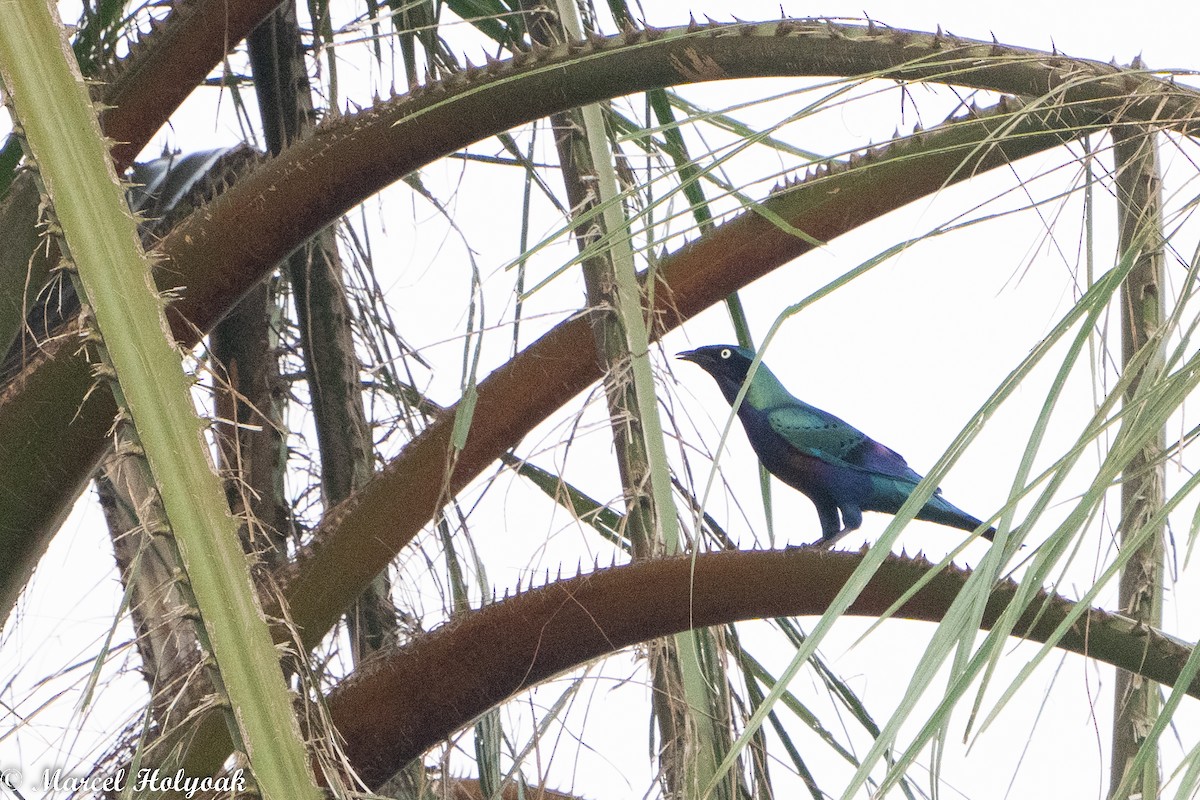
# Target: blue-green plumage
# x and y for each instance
(842, 470)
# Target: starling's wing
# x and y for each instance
(820, 434)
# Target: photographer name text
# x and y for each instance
(151, 780)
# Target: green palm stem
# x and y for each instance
(690, 751)
(56, 118)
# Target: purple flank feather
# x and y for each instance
(871, 455)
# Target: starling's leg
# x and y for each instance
(851, 521)
(831, 524)
(851, 518)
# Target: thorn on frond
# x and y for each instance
(102, 370)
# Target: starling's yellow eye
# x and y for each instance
(726, 353)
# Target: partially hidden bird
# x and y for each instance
(838, 467)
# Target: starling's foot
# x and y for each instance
(824, 543)
(827, 542)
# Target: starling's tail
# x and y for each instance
(944, 513)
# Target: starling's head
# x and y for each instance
(728, 363)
